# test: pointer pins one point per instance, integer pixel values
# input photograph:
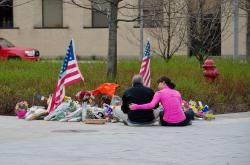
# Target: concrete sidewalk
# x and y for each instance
(224, 141)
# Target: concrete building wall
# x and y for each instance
(28, 32)
(51, 42)
(227, 44)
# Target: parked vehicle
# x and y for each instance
(9, 51)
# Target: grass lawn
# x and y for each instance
(20, 80)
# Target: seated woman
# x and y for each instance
(171, 101)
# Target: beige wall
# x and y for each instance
(228, 38)
(88, 41)
(54, 42)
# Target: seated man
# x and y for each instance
(137, 94)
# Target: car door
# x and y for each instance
(3, 52)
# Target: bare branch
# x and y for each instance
(169, 30)
(5, 3)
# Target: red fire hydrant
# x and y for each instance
(209, 69)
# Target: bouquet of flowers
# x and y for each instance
(21, 109)
(201, 111)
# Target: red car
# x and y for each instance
(9, 51)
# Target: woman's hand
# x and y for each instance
(133, 106)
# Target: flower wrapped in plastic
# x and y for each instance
(36, 112)
(201, 111)
(21, 109)
(73, 116)
(59, 112)
(63, 110)
(84, 96)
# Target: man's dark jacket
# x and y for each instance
(138, 94)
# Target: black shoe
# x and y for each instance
(190, 122)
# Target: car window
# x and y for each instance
(5, 43)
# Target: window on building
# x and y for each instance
(153, 13)
(6, 14)
(52, 13)
(99, 19)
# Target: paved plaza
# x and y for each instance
(224, 141)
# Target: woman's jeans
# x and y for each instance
(189, 116)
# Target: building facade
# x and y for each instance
(48, 26)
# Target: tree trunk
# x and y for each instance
(169, 29)
(200, 57)
(112, 43)
(248, 35)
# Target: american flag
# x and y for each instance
(145, 66)
(68, 75)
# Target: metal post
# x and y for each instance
(141, 28)
(236, 28)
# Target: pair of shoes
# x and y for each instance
(190, 122)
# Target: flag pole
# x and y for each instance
(141, 28)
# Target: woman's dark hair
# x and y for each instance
(167, 81)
